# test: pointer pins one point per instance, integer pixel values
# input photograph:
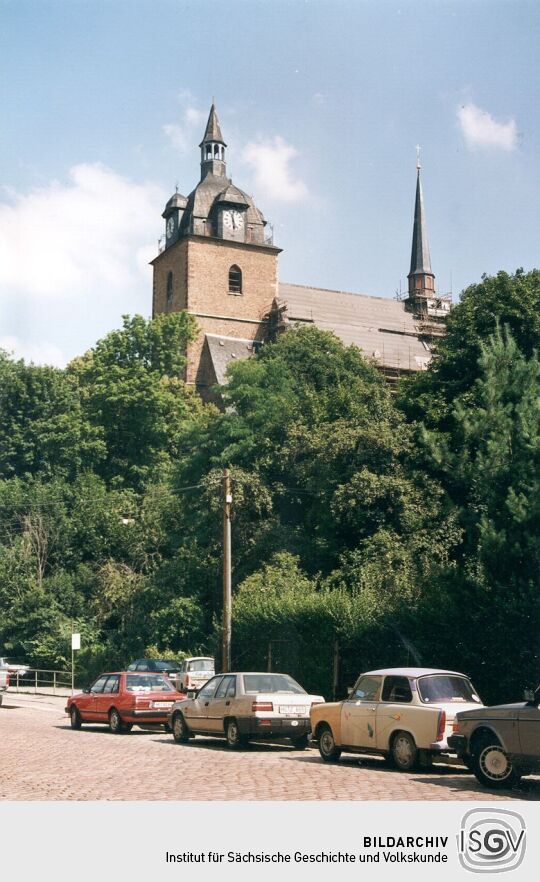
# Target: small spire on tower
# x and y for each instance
(212, 147)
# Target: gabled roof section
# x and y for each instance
(224, 350)
(420, 260)
(379, 326)
(213, 130)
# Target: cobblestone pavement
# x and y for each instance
(44, 759)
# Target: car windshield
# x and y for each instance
(147, 683)
(271, 683)
(201, 664)
(166, 666)
(445, 687)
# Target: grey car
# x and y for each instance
(500, 743)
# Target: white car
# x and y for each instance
(405, 714)
(242, 706)
(195, 672)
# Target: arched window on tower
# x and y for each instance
(235, 280)
(169, 289)
(209, 151)
(216, 150)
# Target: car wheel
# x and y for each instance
(301, 742)
(179, 729)
(115, 722)
(1, 699)
(328, 749)
(232, 734)
(74, 718)
(404, 752)
(491, 765)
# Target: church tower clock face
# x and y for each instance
(233, 219)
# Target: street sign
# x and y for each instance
(75, 641)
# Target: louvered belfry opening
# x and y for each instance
(235, 280)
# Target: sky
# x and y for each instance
(321, 102)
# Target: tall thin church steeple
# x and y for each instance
(421, 278)
(212, 147)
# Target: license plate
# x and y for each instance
(291, 710)
(166, 704)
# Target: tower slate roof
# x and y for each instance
(420, 260)
(213, 130)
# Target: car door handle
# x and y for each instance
(227, 703)
(373, 709)
(206, 703)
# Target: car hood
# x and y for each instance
(491, 712)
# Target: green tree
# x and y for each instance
(44, 429)
(511, 301)
(132, 391)
(490, 466)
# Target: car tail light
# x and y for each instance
(455, 725)
(313, 703)
(7, 679)
(442, 725)
(262, 706)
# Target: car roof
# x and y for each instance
(256, 674)
(199, 658)
(413, 672)
(134, 673)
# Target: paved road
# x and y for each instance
(45, 759)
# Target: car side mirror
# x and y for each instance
(191, 693)
(528, 695)
(349, 691)
(87, 690)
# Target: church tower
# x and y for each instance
(218, 263)
(421, 278)
(429, 308)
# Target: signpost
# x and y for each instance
(75, 644)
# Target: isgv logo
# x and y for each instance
(491, 840)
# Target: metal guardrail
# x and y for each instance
(40, 681)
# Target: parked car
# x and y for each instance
(170, 669)
(195, 672)
(123, 699)
(4, 681)
(13, 667)
(246, 705)
(404, 714)
(500, 743)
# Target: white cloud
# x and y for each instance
(72, 258)
(270, 162)
(38, 353)
(481, 130)
(182, 134)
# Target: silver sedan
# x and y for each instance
(244, 706)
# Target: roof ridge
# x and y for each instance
(337, 291)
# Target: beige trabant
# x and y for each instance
(405, 714)
(246, 705)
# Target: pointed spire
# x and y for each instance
(213, 147)
(420, 260)
(421, 277)
(213, 130)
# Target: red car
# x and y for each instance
(122, 700)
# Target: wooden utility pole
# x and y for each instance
(227, 501)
